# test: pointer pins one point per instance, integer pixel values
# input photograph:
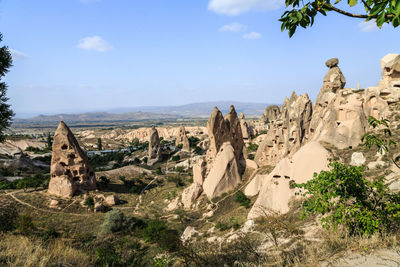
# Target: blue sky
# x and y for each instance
(88, 55)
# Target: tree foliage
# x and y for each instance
(345, 197)
(303, 13)
(6, 113)
(381, 139)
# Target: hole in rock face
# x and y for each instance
(276, 176)
(338, 123)
(350, 147)
(71, 156)
(67, 172)
(91, 173)
(63, 164)
(287, 177)
(64, 147)
(76, 179)
(75, 173)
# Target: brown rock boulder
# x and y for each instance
(70, 170)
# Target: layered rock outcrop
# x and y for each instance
(182, 139)
(70, 171)
(154, 147)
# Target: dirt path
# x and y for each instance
(11, 194)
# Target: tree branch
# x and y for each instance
(365, 4)
(361, 16)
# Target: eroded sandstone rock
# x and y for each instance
(288, 132)
(275, 191)
(224, 174)
(190, 194)
(154, 147)
(182, 139)
(70, 170)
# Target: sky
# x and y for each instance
(96, 55)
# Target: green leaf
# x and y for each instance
(352, 2)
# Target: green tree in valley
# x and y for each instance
(49, 142)
(6, 113)
(303, 13)
(99, 144)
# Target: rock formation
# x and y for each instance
(218, 132)
(199, 171)
(154, 147)
(288, 132)
(182, 139)
(245, 128)
(274, 189)
(224, 173)
(70, 171)
(190, 194)
(338, 115)
(271, 114)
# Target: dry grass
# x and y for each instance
(21, 251)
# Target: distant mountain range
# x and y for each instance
(194, 110)
(203, 109)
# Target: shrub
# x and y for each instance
(242, 199)
(8, 217)
(251, 156)
(198, 150)
(50, 234)
(177, 180)
(176, 158)
(193, 141)
(180, 146)
(159, 171)
(169, 240)
(153, 231)
(114, 221)
(107, 256)
(179, 169)
(89, 202)
(345, 197)
(25, 225)
(222, 226)
(252, 147)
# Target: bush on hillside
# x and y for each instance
(8, 217)
(345, 197)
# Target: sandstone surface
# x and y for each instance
(70, 171)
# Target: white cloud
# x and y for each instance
(252, 35)
(233, 27)
(95, 43)
(17, 54)
(236, 7)
(368, 26)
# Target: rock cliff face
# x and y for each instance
(288, 132)
(271, 114)
(182, 139)
(70, 171)
(338, 117)
(274, 189)
(154, 147)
